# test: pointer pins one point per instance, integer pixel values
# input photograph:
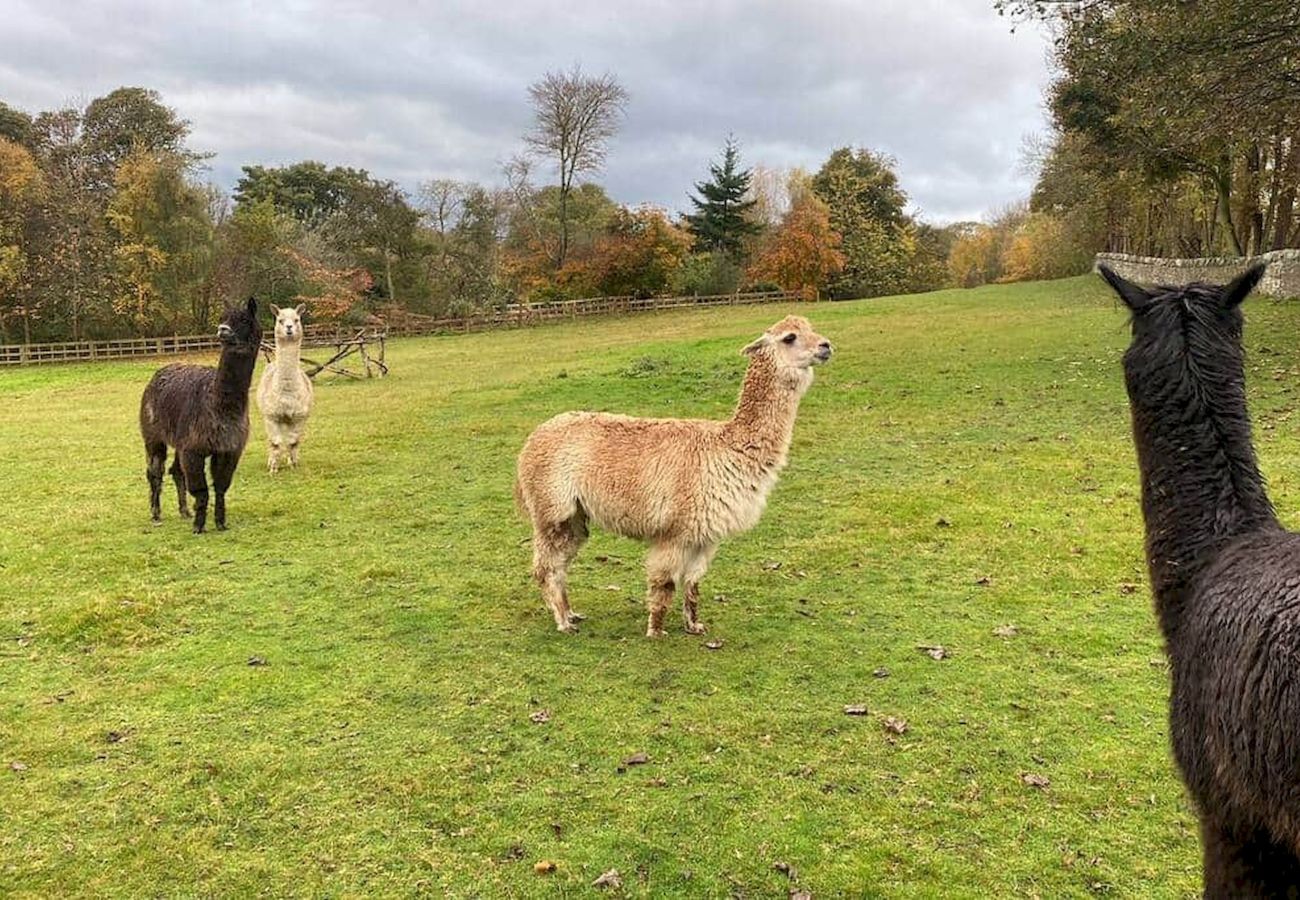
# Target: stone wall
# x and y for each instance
(1281, 279)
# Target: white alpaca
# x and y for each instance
(285, 393)
(682, 485)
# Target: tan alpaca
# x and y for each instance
(682, 485)
(285, 392)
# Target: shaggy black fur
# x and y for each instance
(202, 412)
(1226, 580)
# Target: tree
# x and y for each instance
(130, 119)
(308, 191)
(803, 253)
(1167, 92)
(15, 125)
(575, 116)
(723, 208)
(163, 241)
(22, 188)
(638, 254)
(867, 209)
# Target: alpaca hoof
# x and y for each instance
(221, 526)
(198, 530)
(576, 617)
(654, 632)
(695, 628)
(569, 628)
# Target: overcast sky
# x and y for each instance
(416, 90)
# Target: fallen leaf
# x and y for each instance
(934, 651)
(942, 523)
(771, 566)
(1042, 782)
(542, 715)
(713, 645)
(613, 587)
(855, 709)
(787, 870)
(637, 759)
(881, 672)
(544, 867)
(610, 879)
(895, 725)
(1127, 588)
(514, 851)
(256, 661)
(1005, 631)
(18, 766)
(983, 581)
(114, 737)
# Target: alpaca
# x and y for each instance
(202, 412)
(285, 393)
(1226, 582)
(682, 485)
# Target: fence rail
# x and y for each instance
(516, 315)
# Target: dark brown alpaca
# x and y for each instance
(1226, 580)
(202, 412)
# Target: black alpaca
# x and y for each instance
(1226, 580)
(202, 412)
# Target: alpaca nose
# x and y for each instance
(824, 349)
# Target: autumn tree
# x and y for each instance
(128, 120)
(638, 254)
(723, 206)
(803, 253)
(22, 188)
(866, 207)
(574, 118)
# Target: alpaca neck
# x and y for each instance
(1201, 487)
(288, 356)
(763, 422)
(234, 374)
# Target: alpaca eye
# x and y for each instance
(788, 339)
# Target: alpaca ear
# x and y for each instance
(275, 310)
(1134, 297)
(252, 306)
(1241, 286)
(300, 309)
(754, 346)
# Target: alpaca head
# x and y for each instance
(288, 323)
(239, 331)
(1182, 336)
(791, 344)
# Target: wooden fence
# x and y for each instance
(518, 315)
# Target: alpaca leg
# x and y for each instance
(662, 567)
(156, 459)
(696, 564)
(554, 547)
(192, 463)
(223, 472)
(178, 477)
(275, 443)
(295, 438)
(1246, 863)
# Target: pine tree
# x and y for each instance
(719, 222)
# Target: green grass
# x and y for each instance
(963, 463)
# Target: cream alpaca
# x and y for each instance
(682, 485)
(285, 393)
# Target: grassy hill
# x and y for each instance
(963, 464)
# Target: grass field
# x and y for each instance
(963, 464)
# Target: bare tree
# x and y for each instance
(575, 117)
(440, 202)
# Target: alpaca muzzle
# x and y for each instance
(225, 332)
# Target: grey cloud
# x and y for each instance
(413, 90)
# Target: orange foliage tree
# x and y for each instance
(803, 253)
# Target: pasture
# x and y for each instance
(338, 696)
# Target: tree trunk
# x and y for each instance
(1223, 191)
(388, 276)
